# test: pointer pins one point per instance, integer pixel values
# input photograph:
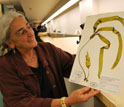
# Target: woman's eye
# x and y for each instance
(29, 27)
(23, 32)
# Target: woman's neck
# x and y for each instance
(27, 52)
(28, 55)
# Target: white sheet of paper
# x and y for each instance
(104, 51)
(110, 84)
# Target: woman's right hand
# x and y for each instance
(81, 95)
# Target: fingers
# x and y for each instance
(89, 91)
(92, 93)
(82, 95)
(85, 90)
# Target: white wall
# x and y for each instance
(68, 44)
(67, 23)
(88, 7)
(91, 7)
(70, 21)
(110, 6)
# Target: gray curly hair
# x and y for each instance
(5, 22)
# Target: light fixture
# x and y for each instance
(62, 9)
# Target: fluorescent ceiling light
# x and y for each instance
(66, 6)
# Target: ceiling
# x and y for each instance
(36, 10)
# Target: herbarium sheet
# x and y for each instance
(99, 62)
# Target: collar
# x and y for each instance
(21, 65)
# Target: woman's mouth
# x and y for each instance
(30, 39)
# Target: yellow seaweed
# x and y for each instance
(101, 53)
(96, 32)
(119, 53)
(88, 63)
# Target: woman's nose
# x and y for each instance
(29, 32)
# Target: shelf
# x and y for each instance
(56, 35)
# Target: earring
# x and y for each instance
(14, 51)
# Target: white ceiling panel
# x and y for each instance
(38, 9)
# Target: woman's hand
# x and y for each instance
(78, 96)
(81, 95)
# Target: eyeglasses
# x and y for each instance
(22, 31)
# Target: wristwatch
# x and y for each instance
(63, 102)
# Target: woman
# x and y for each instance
(31, 73)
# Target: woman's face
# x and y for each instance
(21, 34)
